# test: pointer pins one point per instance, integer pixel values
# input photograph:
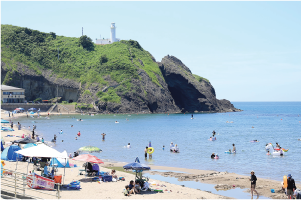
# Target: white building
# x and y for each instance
(11, 94)
(110, 40)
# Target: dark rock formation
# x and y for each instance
(179, 92)
(45, 86)
(190, 94)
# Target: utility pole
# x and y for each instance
(57, 89)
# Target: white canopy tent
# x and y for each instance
(42, 151)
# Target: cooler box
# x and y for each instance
(107, 178)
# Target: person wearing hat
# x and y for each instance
(291, 187)
(171, 146)
(253, 180)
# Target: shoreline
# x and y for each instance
(264, 185)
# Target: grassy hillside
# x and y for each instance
(39, 50)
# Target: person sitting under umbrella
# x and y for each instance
(132, 186)
(113, 173)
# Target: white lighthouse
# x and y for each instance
(113, 33)
(112, 39)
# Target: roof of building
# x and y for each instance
(7, 87)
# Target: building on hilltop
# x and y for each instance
(110, 40)
(11, 94)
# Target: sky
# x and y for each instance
(249, 51)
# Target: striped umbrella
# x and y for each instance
(89, 149)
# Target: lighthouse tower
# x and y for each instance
(113, 33)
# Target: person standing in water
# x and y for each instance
(78, 134)
(145, 152)
(103, 136)
(234, 148)
(253, 180)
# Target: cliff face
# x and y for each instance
(189, 93)
(45, 86)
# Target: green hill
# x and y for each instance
(38, 50)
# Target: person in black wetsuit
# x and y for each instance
(291, 186)
(212, 155)
(253, 180)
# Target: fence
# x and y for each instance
(16, 184)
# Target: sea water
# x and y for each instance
(267, 122)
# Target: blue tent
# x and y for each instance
(59, 162)
(9, 153)
(2, 148)
(4, 121)
(29, 145)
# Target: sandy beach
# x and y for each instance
(114, 190)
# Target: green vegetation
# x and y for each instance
(109, 96)
(83, 106)
(38, 99)
(77, 58)
(200, 79)
(87, 92)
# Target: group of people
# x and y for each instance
(277, 149)
(132, 188)
(174, 148)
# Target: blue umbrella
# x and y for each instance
(32, 109)
(31, 113)
(4, 121)
(29, 145)
(21, 109)
(138, 167)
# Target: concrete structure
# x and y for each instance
(11, 94)
(112, 39)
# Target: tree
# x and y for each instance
(103, 59)
(86, 43)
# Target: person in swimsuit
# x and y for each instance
(145, 152)
(103, 136)
(253, 180)
(234, 148)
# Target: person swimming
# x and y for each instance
(212, 155)
(129, 145)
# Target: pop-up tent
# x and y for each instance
(9, 153)
(61, 162)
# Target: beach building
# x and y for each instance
(10, 94)
(109, 40)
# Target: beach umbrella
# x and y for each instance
(21, 108)
(32, 109)
(17, 109)
(31, 113)
(137, 166)
(4, 121)
(88, 158)
(29, 145)
(89, 149)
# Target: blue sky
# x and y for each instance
(250, 51)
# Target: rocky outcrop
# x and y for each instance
(177, 91)
(45, 85)
(190, 94)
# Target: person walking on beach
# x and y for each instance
(103, 136)
(12, 125)
(291, 186)
(253, 180)
(32, 133)
(8, 114)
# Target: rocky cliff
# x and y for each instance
(190, 92)
(120, 77)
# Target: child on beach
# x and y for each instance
(253, 180)
(127, 191)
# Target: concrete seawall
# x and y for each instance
(12, 106)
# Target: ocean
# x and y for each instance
(267, 122)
